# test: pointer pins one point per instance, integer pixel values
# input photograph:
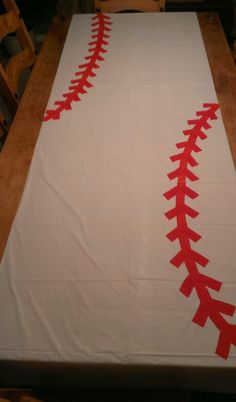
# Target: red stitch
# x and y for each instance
(209, 308)
(183, 172)
(86, 69)
(182, 188)
(185, 156)
(184, 209)
(195, 279)
(185, 256)
(226, 339)
(187, 145)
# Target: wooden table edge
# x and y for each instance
(223, 72)
(18, 149)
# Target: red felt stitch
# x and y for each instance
(182, 188)
(209, 307)
(195, 279)
(81, 83)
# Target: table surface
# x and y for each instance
(89, 246)
(17, 153)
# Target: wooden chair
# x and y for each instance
(11, 22)
(113, 6)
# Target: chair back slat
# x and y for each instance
(8, 24)
(21, 32)
(9, 76)
(10, 98)
(16, 65)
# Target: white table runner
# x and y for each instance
(86, 275)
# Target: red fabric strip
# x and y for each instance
(86, 70)
(209, 307)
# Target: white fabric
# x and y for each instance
(86, 275)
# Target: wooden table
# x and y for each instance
(16, 156)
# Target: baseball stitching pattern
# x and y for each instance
(100, 29)
(209, 307)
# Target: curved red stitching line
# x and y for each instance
(101, 28)
(209, 307)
